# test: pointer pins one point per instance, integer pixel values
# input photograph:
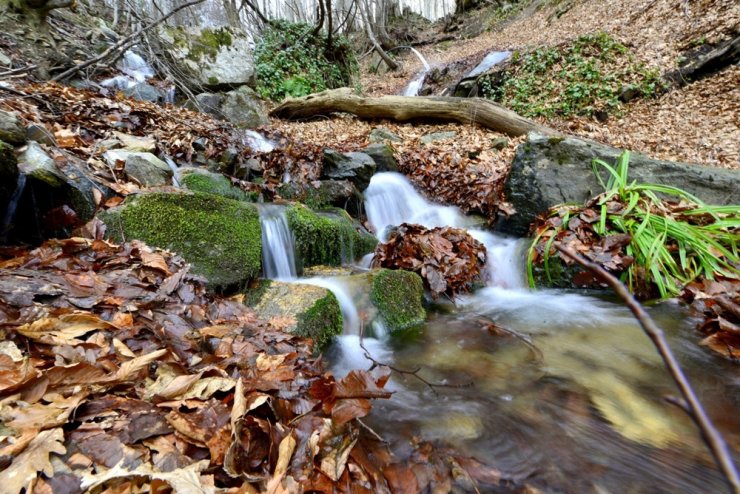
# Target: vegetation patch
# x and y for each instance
(585, 77)
(213, 183)
(209, 43)
(398, 295)
(327, 240)
(220, 237)
(656, 237)
(292, 60)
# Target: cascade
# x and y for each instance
(175, 170)
(278, 250)
(13, 206)
(417, 82)
(493, 58)
(257, 142)
(135, 70)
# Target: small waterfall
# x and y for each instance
(493, 58)
(257, 142)
(278, 247)
(169, 95)
(350, 314)
(175, 170)
(13, 206)
(390, 200)
(135, 70)
(417, 82)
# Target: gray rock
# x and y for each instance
(356, 167)
(144, 92)
(242, 107)
(39, 134)
(37, 164)
(381, 134)
(11, 130)
(438, 136)
(547, 171)
(145, 168)
(209, 103)
(382, 154)
(5, 60)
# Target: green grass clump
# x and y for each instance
(672, 243)
(581, 78)
(220, 237)
(290, 60)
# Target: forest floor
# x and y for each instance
(697, 123)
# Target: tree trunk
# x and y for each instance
(403, 108)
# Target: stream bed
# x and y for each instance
(556, 390)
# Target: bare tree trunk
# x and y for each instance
(365, 12)
(404, 108)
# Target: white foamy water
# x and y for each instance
(135, 70)
(493, 58)
(257, 142)
(278, 245)
(12, 206)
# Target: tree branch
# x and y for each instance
(709, 433)
(123, 42)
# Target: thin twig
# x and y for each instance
(414, 373)
(709, 433)
(21, 70)
(492, 327)
(107, 53)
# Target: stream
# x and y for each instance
(574, 402)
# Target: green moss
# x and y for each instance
(327, 240)
(398, 294)
(219, 185)
(220, 237)
(213, 80)
(209, 43)
(322, 322)
(254, 294)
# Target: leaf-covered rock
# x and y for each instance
(448, 259)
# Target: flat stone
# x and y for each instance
(40, 134)
(145, 168)
(381, 134)
(438, 136)
(144, 92)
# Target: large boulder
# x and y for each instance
(327, 238)
(356, 167)
(145, 168)
(306, 310)
(216, 57)
(220, 237)
(547, 171)
(11, 130)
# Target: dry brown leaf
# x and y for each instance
(34, 459)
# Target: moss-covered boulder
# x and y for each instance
(200, 180)
(220, 237)
(327, 238)
(306, 310)
(398, 296)
(324, 193)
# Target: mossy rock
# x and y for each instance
(305, 310)
(398, 296)
(329, 238)
(199, 180)
(220, 237)
(8, 173)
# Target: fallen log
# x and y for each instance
(404, 108)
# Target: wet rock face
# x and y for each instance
(306, 310)
(8, 176)
(383, 156)
(398, 296)
(547, 171)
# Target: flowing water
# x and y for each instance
(413, 87)
(493, 58)
(567, 395)
(12, 206)
(278, 252)
(135, 70)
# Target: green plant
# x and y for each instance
(581, 78)
(671, 242)
(291, 60)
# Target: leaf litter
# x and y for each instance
(120, 373)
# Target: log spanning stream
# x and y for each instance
(574, 403)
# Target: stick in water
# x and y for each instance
(693, 407)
